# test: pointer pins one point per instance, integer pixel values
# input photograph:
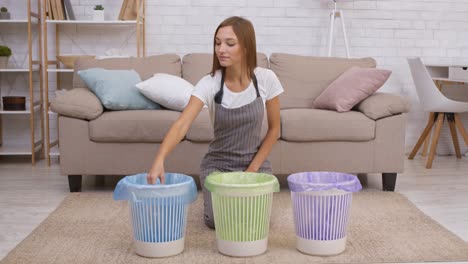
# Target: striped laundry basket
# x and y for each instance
(242, 207)
(158, 212)
(321, 206)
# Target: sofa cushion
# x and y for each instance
(142, 126)
(146, 67)
(201, 129)
(350, 88)
(304, 125)
(197, 65)
(78, 103)
(305, 77)
(167, 90)
(116, 89)
(380, 105)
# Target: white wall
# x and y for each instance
(389, 31)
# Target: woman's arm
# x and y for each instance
(273, 114)
(175, 134)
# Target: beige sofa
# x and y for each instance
(367, 140)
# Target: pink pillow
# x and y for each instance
(350, 88)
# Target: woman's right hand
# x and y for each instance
(156, 172)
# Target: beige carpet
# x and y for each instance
(385, 227)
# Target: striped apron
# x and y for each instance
(237, 138)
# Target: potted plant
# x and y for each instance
(98, 14)
(4, 14)
(5, 53)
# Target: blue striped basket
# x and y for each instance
(158, 212)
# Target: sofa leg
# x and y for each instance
(388, 181)
(74, 182)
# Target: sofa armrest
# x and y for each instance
(79, 103)
(380, 105)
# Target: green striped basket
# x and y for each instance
(242, 207)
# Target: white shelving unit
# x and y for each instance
(60, 70)
(8, 148)
(52, 148)
(36, 108)
(14, 21)
(91, 22)
(18, 149)
(16, 70)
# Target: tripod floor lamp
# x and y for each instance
(334, 14)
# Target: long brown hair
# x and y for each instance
(245, 34)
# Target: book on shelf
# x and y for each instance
(58, 9)
(52, 9)
(64, 13)
(50, 14)
(122, 9)
(129, 10)
(69, 10)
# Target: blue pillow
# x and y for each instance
(116, 89)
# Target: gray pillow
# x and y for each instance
(78, 103)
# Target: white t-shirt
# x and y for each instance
(268, 86)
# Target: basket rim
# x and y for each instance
(159, 185)
(272, 181)
(291, 179)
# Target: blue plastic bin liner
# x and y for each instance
(322, 180)
(158, 211)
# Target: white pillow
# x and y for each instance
(167, 90)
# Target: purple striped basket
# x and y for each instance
(321, 206)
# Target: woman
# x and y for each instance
(236, 93)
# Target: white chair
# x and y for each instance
(439, 106)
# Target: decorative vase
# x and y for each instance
(98, 15)
(4, 15)
(4, 62)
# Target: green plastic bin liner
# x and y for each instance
(242, 207)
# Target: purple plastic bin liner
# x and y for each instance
(321, 217)
(136, 187)
(321, 181)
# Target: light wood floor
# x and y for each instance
(29, 194)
